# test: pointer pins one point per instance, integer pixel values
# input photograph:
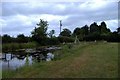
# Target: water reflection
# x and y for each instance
(14, 61)
(26, 57)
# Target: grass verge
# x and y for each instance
(84, 60)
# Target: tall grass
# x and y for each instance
(14, 46)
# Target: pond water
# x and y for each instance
(14, 61)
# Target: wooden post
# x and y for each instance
(5, 57)
(11, 56)
(8, 63)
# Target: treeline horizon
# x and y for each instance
(85, 33)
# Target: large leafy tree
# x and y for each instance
(103, 28)
(94, 32)
(65, 32)
(104, 31)
(39, 34)
(94, 28)
(76, 31)
(81, 32)
(84, 30)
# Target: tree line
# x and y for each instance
(85, 33)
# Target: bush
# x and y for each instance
(53, 41)
(65, 39)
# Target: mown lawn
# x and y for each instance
(84, 60)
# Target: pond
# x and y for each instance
(13, 61)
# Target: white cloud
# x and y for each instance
(22, 17)
(93, 5)
(112, 24)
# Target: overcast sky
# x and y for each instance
(21, 17)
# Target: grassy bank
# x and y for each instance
(84, 60)
(14, 46)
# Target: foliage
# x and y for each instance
(76, 31)
(114, 37)
(14, 46)
(52, 32)
(94, 28)
(84, 33)
(39, 34)
(53, 41)
(6, 38)
(84, 30)
(66, 32)
(103, 28)
(81, 32)
(65, 39)
(118, 30)
(96, 32)
(21, 38)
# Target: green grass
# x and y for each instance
(14, 46)
(84, 60)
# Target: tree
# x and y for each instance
(114, 37)
(103, 28)
(53, 41)
(84, 30)
(81, 32)
(21, 38)
(65, 39)
(94, 28)
(6, 38)
(94, 33)
(65, 32)
(39, 34)
(51, 33)
(76, 31)
(104, 31)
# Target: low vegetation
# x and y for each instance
(83, 60)
(14, 46)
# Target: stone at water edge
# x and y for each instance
(49, 57)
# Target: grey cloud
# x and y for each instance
(71, 9)
(9, 9)
(49, 8)
(77, 16)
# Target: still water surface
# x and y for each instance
(13, 61)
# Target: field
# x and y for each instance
(83, 60)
